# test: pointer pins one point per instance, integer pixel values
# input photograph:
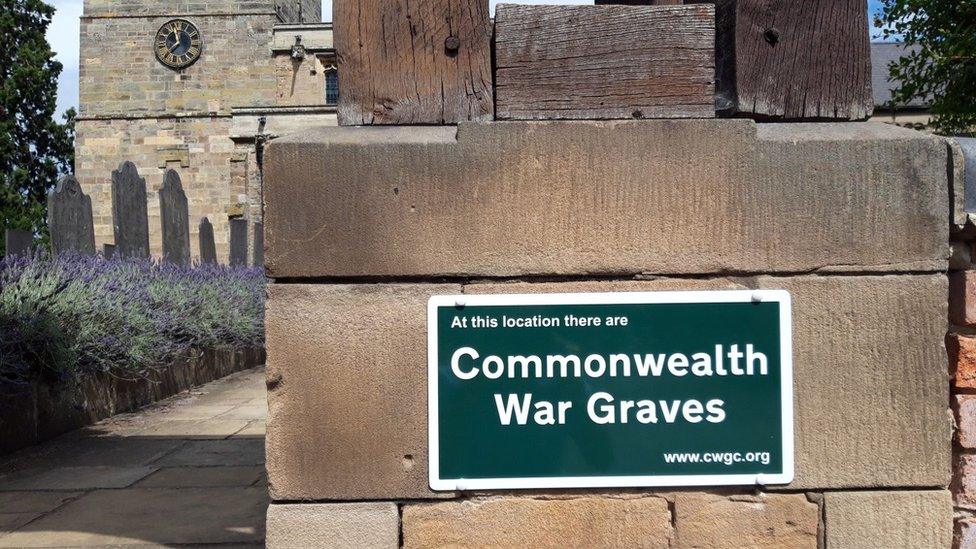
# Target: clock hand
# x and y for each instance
(175, 45)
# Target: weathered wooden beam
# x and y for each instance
(793, 60)
(413, 61)
(639, 2)
(592, 62)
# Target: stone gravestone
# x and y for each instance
(238, 243)
(259, 244)
(18, 242)
(175, 220)
(69, 218)
(108, 251)
(130, 219)
(208, 249)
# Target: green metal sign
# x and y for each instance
(610, 390)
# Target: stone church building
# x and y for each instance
(198, 86)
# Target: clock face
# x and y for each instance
(178, 44)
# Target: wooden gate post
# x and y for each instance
(404, 62)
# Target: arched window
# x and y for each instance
(331, 86)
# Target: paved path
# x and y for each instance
(186, 471)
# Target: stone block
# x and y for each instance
(870, 382)
(587, 521)
(763, 521)
(347, 391)
(337, 525)
(869, 520)
(870, 387)
(605, 198)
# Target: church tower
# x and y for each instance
(160, 82)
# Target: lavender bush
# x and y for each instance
(72, 315)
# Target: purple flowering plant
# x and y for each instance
(71, 315)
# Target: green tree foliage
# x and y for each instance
(943, 70)
(34, 148)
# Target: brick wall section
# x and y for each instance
(961, 346)
(961, 349)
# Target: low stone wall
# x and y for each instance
(45, 411)
(364, 225)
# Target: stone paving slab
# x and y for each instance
(12, 521)
(180, 477)
(216, 428)
(186, 471)
(235, 451)
(75, 478)
(155, 515)
(34, 502)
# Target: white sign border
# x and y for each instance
(782, 297)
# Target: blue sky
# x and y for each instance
(63, 35)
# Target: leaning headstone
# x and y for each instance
(238, 242)
(18, 242)
(259, 244)
(175, 220)
(208, 249)
(130, 220)
(69, 218)
(108, 251)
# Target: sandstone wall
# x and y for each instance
(120, 76)
(127, 8)
(301, 82)
(364, 224)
